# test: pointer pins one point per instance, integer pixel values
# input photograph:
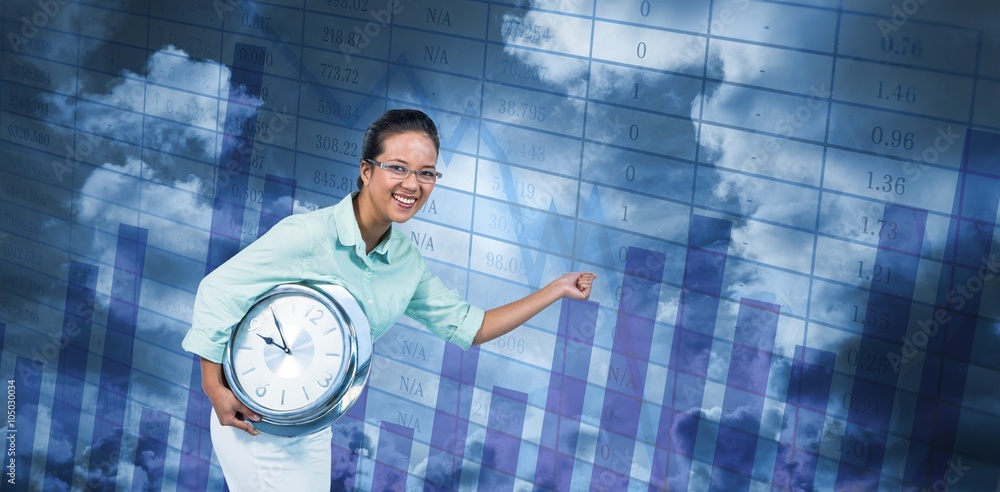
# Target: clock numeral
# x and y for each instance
(316, 317)
(248, 371)
(262, 389)
(254, 324)
(333, 354)
(282, 397)
(325, 383)
(304, 392)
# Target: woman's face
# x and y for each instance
(394, 199)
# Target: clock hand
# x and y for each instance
(280, 334)
(270, 341)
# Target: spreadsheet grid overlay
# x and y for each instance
(791, 208)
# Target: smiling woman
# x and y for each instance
(397, 143)
(351, 244)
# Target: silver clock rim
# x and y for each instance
(324, 411)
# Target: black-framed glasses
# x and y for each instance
(399, 171)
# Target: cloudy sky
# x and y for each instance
(818, 152)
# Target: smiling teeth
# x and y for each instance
(407, 201)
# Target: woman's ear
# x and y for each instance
(366, 171)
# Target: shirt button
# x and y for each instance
(368, 269)
(371, 301)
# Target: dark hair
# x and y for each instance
(395, 122)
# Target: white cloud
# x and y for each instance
(110, 193)
(559, 37)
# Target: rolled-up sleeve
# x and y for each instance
(444, 312)
(226, 294)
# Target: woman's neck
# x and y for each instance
(371, 231)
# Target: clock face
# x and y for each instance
(290, 352)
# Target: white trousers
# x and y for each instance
(266, 462)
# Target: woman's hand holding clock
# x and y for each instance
(227, 407)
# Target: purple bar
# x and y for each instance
(691, 347)
(224, 242)
(502, 445)
(196, 448)
(955, 319)
(28, 384)
(116, 364)
(392, 458)
(756, 325)
(626, 379)
(802, 424)
(78, 315)
(232, 182)
(279, 199)
(981, 155)
(567, 386)
(743, 403)
(348, 440)
(151, 450)
(451, 424)
(869, 404)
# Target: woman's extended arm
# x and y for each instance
(502, 319)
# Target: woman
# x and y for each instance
(353, 244)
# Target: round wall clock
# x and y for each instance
(300, 357)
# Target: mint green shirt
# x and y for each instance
(326, 246)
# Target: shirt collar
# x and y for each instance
(349, 233)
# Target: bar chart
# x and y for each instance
(790, 206)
